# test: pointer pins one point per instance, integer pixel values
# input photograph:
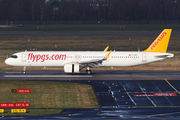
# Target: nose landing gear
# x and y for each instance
(24, 70)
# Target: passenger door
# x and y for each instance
(23, 57)
(144, 57)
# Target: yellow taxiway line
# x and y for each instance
(172, 86)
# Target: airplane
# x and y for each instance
(74, 61)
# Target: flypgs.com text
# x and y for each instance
(44, 57)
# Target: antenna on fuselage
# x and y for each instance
(138, 48)
(138, 44)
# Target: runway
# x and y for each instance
(121, 95)
(96, 75)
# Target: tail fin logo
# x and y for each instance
(160, 44)
(158, 40)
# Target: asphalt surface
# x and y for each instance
(84, 32)
(98, 75)
(122, 95)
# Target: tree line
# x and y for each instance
(84, 10)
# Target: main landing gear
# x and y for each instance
(24, 70)
(88, 72)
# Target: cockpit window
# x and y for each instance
(14, 56)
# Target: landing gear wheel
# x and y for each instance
(88, 72)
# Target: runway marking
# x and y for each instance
(130, 96)
(157, 94)
(151, 92)
(143, 90)
(156, 114)
(172, 86)
(154, 106)
(48, 76)
(13, 72)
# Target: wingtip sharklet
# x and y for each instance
(106, 49)
(107, 56)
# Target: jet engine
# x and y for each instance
(71, 68)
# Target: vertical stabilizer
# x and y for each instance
(160, 44)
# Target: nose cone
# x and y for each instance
(7, 61)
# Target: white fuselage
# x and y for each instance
(59, 58)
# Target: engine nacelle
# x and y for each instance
(71, 68)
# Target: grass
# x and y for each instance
(95, 27)
(48, 95)
(87, 42)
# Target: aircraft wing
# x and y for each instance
(91, 63)
(94, 62)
